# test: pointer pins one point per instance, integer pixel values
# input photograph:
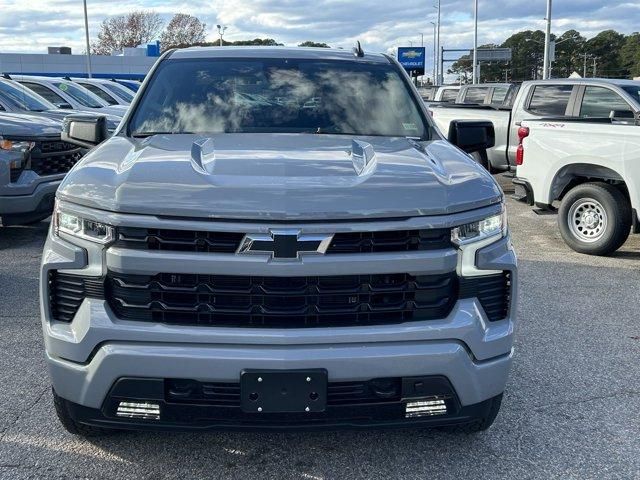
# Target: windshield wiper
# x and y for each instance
(151, 134)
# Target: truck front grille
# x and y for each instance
(228, 242)
(50, 157)
(283, 302)
(54, 164)
(293, 302)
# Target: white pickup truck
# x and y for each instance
(539, 99)
(592, 167)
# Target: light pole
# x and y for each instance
(547, 43)
(438, 72)
(435, 55)
(475, 43)
(221, 30)
(86, 33)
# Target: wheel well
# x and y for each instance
(573, 175)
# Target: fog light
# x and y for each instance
(425, 407)
(141, 410)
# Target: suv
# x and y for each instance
(277, 237)
(33, 161)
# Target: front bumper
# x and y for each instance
(88, 356)
(39, 201)
(201, 416)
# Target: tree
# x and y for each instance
(489, 72)
(527, 52)
(605, 49)
(183, 31)
(569, 54)
(630, 54)
(309, 43)
(132, 30)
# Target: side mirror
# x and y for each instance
(618, 114)
(85, 130)
(472, 136)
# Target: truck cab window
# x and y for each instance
(499, 94)
(600, 102)
(449, 95)
(550, 100)
(475, 95)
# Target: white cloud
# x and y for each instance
(381, 26)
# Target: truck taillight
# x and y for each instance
(523, 132)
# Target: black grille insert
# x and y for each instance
(54, 163)
(228, 242)
(66, 293)
(493, 292)
(287, 302)
(228, 394)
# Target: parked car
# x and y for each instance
(484, 94)
(323, 262)
(68, 95)
(15, 98)
(596, 181)
(132, 85)
(111, 92)
(33, 161)
(540, 99)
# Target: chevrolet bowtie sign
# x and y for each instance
(284, 244)
(412, 59)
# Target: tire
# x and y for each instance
(479, 424)
(595, 218)
(71, 426)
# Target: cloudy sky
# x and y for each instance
(379, 24)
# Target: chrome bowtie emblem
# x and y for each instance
(284, 244)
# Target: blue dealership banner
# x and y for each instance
(412, 59)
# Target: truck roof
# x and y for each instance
(277, 52)
(592, 81)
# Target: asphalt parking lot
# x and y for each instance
(571, 409)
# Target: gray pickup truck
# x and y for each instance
(33, 162)
(277, 238)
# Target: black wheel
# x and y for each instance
(595, 218)
(71, 426)
(479, 424)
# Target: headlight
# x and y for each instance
(13, 146)
(86, 229)
(478, 231)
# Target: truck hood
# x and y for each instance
(28, 126)
(278, 177)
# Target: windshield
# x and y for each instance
(278, 96)
(23, 99)
(634, 91)
(121, 92)
(80, 94)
